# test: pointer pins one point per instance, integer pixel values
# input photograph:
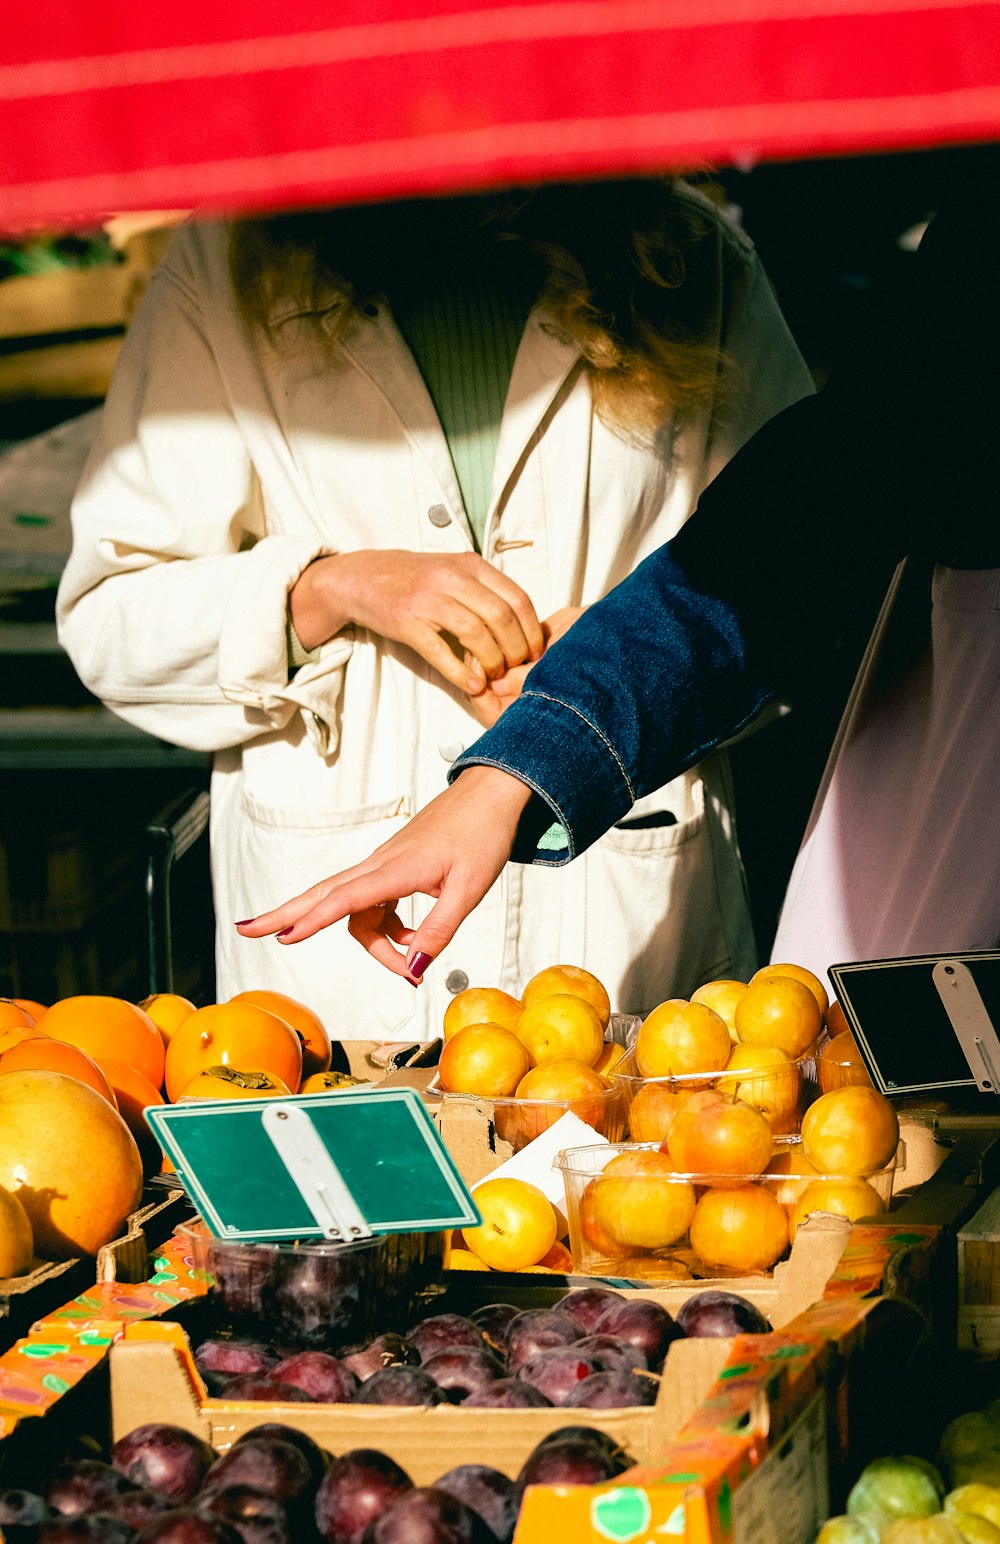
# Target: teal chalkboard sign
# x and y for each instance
(337, 1166)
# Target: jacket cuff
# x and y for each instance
(584, 795)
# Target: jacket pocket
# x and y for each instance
(654, 922)
(276, 853)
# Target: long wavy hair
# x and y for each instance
(614, 262)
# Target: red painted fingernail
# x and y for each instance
(419, 963)
(245, 923)
(285, 931)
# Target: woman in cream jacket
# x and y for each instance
(240, 452)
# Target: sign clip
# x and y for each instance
(314, 1173)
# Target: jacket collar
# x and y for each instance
(542, 364)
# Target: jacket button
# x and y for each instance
(438, 515)
(450, 750)
(456, 981)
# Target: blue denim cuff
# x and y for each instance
(579, 782)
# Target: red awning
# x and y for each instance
(106, 105)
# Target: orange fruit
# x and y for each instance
(15, 1033)
(328, 1082)
(594, 1236)
(556, 980)
(70, 1159)
(781, 1011)
(483, 1059)
(481, 1005)
(463, 1260)
(852, 1130)
(565, 1083)
(797, 973)
(561, 1024)
(840, 1063)
(135, 1094)
(654, 1108)
(109, 1026)
(796, 1165)
(35, 1011)
(558, 1259)
(851, 1198)
(714, 1135)
(679, 1037)
(519, 1224)
(769, 1080)
(744, 1228)
(44, 1053)
(17, 1244)
(639, 1202)
(611, 1054)
(167, 1010)
(13, 1016)
(721, 996)
(317, 1051)
(233, 1034)
(233, 1083)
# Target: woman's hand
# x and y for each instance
(453, 849)
(500, 691)
(420, 599)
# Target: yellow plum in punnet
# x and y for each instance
(483, 1059)
(480, 1005)
(742, 1228)
(561, 1025)
(638, 1202)
(722, 996)
(769, 1080)
(851, 1198)
(574, 980)
(781, 1011)
(679, 1037)
(797, 973)
(715, 1135)
(852, 1130)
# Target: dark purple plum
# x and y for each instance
(534, 1331)
(614, 1353)
(356, 1489)
(580, 1433)
(441, 1332)
(239, 1276)
(321, 1375)
(218, 1360)
(507, 1394)
(428, 1516)
(400, 1386)
(613, 1391)
(257, 1517)
(313, 1297)
(316, 1457)
(586, 1304)
(643, 1324)
(186, 1525)
(85, 1486)
(388, 1350)
(86, 1528)
(580, 1460)
(492, 1319)
(462, 1369)
(21, 1509)
(261, 1386)
(487, 1492)
(712, 1312)
(269, 1464)
(558, 1371)
(138, 1507)
(159, 1456)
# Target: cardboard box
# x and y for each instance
(153, 1377)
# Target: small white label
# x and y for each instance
(788, 1497)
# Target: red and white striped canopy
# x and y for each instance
(109, 104)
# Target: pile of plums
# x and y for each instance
(275, 1485)
(594, 1349)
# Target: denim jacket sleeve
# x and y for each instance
(893, 456)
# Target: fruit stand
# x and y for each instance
(709, 1282)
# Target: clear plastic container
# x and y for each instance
(315, 1296)
(782, 1092)
(630, 1216)
(520, 1121)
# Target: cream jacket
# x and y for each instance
(226, 462)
